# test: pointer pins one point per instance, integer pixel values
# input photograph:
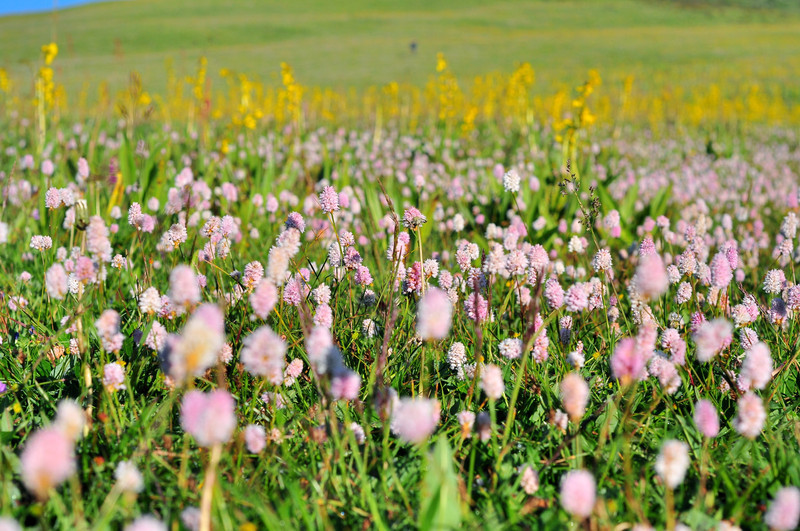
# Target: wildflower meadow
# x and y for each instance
(239, 305)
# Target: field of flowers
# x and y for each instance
(437, 307)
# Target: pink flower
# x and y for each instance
(712, 337)
(292, 372)
(673, 343)
(756, 368)
(253, 272)
(706, 418)
(541, 342)
(345, 384)
(319, 342)
(41, 243)
(672, 463)
(415, 419)
(323, 316)
(434, 315)
(70, 419)
(329, 200)
(578, 493)
(721, 272)
(263, 353)
(113, 377)
(146, 523)
(665, 371)
(52, 198)
(574, 395)
(477, 307)
(184, 289)
(295, 290)
(128, 477)
(576, 299)
(492, 381)
(108, 330)
(751, 416)
(529, 480)
(198, 346)
(784, 511)
(47, 461)
(255, 438)
(627, 362)
(413, 218)
(97, 242)
(295, 221)
(56, 281)
(553, 293)
(150, 301)
(363, 277)
(209, 417)
(510, 348)
(651, 280)
(264, 298)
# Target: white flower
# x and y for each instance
(511, 181)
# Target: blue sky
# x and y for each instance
(8, 7)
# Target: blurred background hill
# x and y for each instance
(356, 43)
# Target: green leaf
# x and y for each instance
(628, 202)
(441, 506)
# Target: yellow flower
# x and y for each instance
(50, 52)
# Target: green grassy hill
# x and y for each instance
(361, 42)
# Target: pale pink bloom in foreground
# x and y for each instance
(415, 419)
(434, 315)
(47, 460)
(466, 419)
(146, 523)
(209, 417)
(70, 419)
(529, 480)
(574, 395)
(627, 362)
(184, 290)
(128, 477)
(666, 372)
(672, 462)
(492, 381)
(108, 329)
(198, 346)
(578, 493)
(751, 416)
(784, 511)
(319, 342)
(756, 368)
(255, 438)
(9, 524)
(264, 298)
(706, 418)
(712, 337)
(651, 280)
(345, 384)
(263, 353)
(56, 281)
